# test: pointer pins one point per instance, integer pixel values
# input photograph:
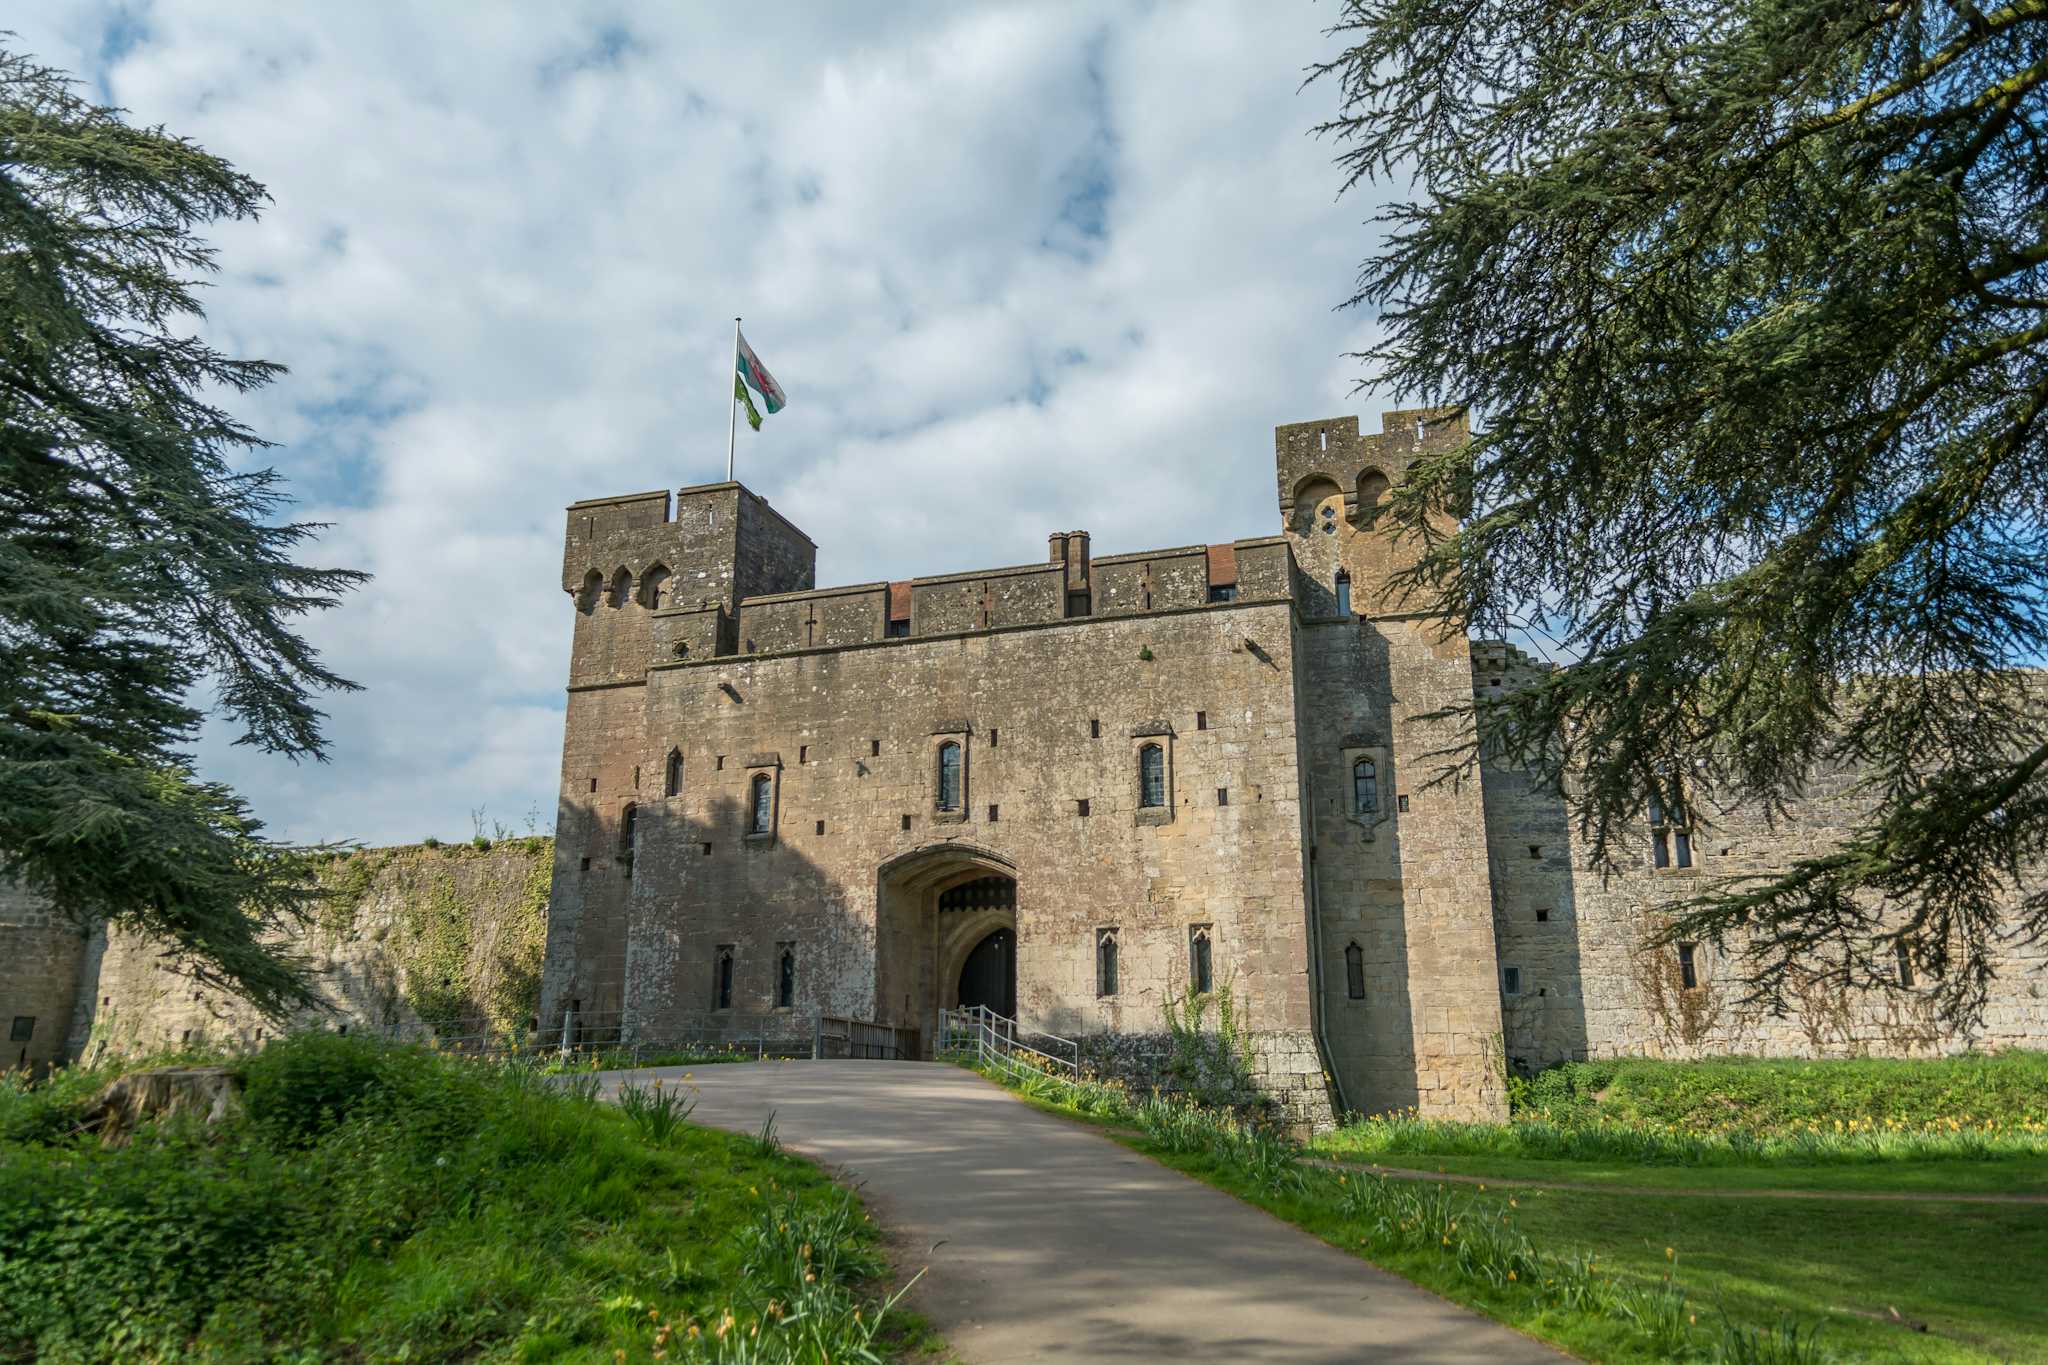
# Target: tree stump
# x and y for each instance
(212, 1093)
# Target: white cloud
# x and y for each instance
(1021, 267)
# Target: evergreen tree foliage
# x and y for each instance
(1751, 301)
(138, 565)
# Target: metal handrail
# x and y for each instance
(994, 1040)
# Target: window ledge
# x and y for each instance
(1155, 815)
(765, 836)
(949, 817)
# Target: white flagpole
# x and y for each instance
(732, 423)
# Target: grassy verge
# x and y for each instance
(1627, 1278)
(630, 1058)
(1868, 1106)
(1643, 1143)
(380, 1202)
(2018, 1175)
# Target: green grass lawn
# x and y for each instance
(2019, 1175)
(1971, 1272)
(379, 1202)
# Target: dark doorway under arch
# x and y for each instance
(989, 976)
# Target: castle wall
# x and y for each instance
(848, 739)
(1590, 981)
(40, 955)
(413, 943)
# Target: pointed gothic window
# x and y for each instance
(1354, 972)
(1151, 776)
(949, 776)
(629, 829)
(785, 978)
(763, 804)
(672, 775)
(1365, 787)
(1343, 593)
(721, 984)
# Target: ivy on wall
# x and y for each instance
(468, 926)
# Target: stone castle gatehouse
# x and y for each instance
(1070, 790)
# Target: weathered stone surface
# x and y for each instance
(417, 942)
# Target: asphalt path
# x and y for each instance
(1045, 1240)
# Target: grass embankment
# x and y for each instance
(381, 1202)
(1632, 1277)
(1739, 1113)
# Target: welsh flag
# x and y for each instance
(756, 377)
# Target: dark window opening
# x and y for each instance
(992, 813)
(1365, 787)
(1343, 594)
(1223, 796)
(992, 737)
(874, 748)
(949, 776)
(1223, 592)
(719, 762)
(1200, 974)
(1151, 776)
(1670, 834)
(1201, 720)
(1105, 962)
(593, 784)
(1688, 969)
(672, 776)
(1542, 914)
(821, 827)
(897, 629)
(763, 803)
(1081, 806)
(636, 777)
(1095, 729)
(803, 753)
(1511, 980)
(1401, 803)
(1077, 604)
(1354, 972)
(24, 1029)
(1905, 957)
(1535, 850)
(906, 822)
(707, 850)
(785, 978)
(585, 866)
(629, 829)
(722, 983)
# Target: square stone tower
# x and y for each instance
(652, 582)
(1399, 888)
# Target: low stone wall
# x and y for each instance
(414, 942)
(1285, 1071)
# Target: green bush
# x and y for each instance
(381, 1201)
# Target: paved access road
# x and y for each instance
(1047, 1241)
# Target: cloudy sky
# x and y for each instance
(1020, 267)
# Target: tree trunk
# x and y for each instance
(213, 1093)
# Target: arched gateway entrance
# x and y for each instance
(945, 935)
